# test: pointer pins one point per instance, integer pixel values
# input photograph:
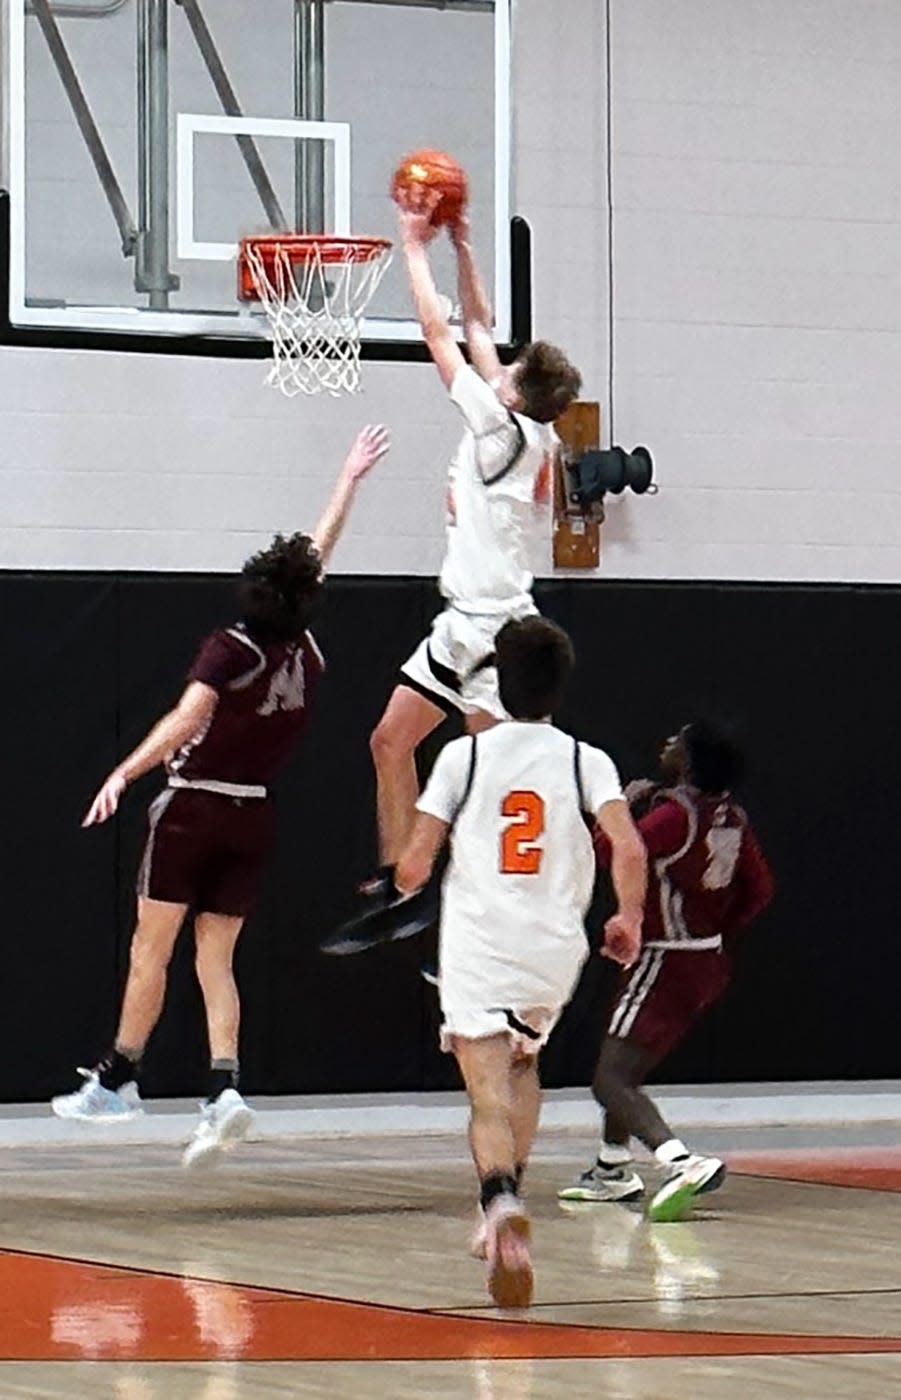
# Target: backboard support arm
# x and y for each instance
(152, 272)
(87, 126)
(309, 105)
(232, 108)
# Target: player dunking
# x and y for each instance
(708, 880)
(501, 472)
(244, 708)
(516, 890)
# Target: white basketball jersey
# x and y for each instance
(522, 865)
(498, 482)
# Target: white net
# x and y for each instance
(315, 308)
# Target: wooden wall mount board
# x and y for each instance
(577, 534)
(577, 542)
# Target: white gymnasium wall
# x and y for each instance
(757, 195)
(757, 189)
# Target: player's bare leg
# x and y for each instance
(409, 718)
(225, 1118)
(627, 1113)
(622, 1068)
(215, 938)
(109, 1093)
(525, 1089)
(616, 1130)
(621, 1071)
(485, 1065)
(525, 1102)
(487, 1068)
(151, 952)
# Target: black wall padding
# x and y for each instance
(91, 661)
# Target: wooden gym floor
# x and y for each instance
(338, 1268)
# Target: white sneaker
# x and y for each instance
(688, 1177)
(223, 1124)
(92, 1103)
(600, 1183)
(510, 1277)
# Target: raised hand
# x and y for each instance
(106, 801)
(414, 214)
(459, 230)
(368, 447)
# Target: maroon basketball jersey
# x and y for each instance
(712, 881)
(265, 694)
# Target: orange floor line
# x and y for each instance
(61, 1309)
(868, 1168)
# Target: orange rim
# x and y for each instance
(299, 248)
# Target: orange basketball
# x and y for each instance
(431, 172)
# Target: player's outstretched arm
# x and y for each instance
(368, 447)
(191, 716)
(415, 865)
(629, 871)
(478, 317)
(415, 232)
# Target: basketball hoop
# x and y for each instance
(314, 290)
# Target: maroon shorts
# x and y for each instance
(664, 994)
(206, 850)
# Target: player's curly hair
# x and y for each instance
(715, 762)
(546, 381)
(535, 658)
(279, 587)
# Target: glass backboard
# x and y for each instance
(145, 137)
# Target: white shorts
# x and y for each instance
(481, 996)
(529, 1028)
(449, 666)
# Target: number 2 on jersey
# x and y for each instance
(520, 852)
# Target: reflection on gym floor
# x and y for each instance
(331, 1268)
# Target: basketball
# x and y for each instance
(432, 172)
